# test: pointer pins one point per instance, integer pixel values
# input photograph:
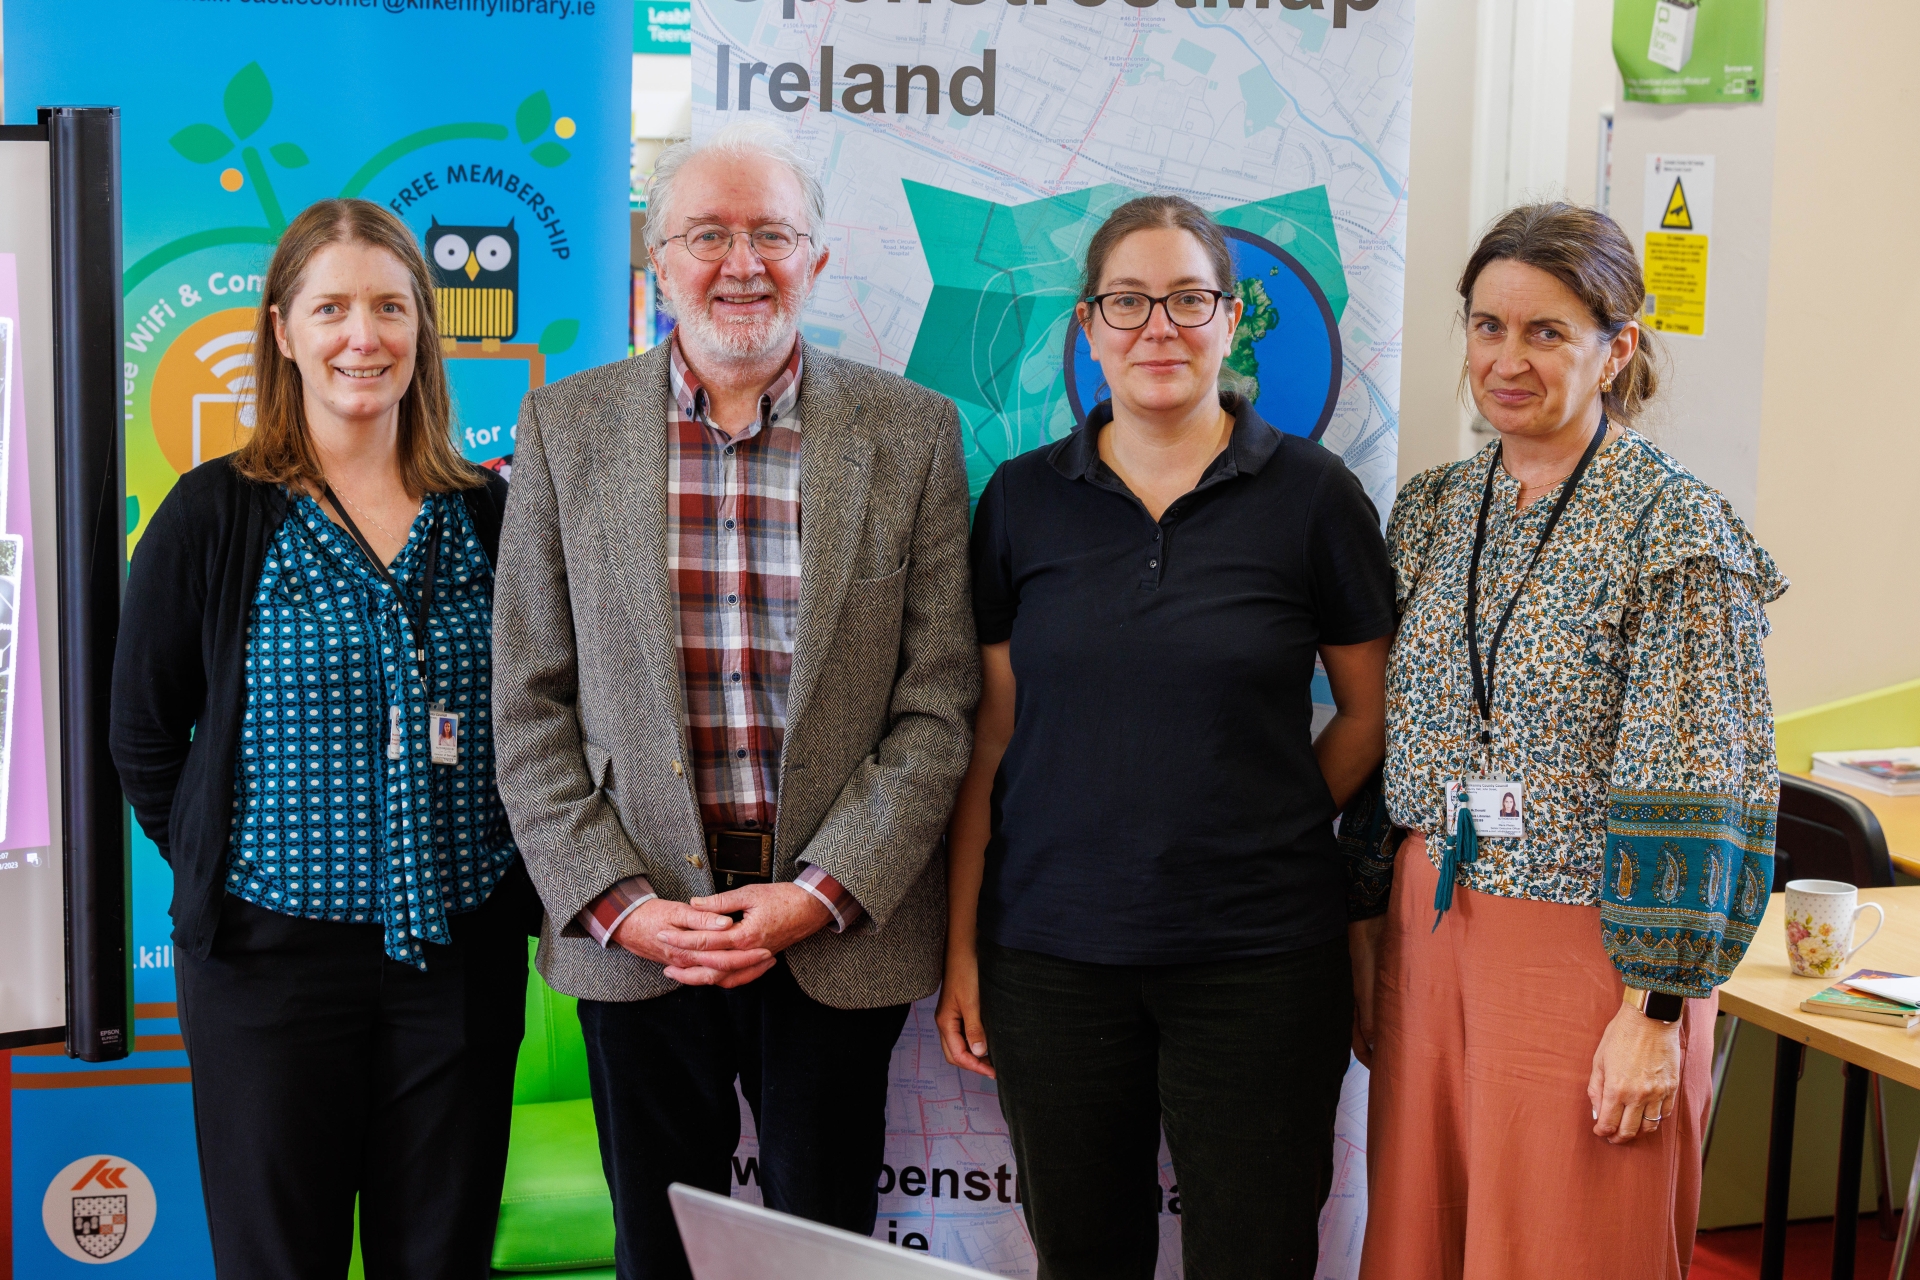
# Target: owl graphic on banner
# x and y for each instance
(476, 280)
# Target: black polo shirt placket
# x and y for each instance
(1159, 551)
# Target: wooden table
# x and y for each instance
(1899, 819)
(1763, 990)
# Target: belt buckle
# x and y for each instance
(740, 857)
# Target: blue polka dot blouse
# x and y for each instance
(326, 825)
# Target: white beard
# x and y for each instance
(749, 338)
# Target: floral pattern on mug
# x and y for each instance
(1812, 947)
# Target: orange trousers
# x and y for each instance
(1482, 1162)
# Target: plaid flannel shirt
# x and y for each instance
(733, 554)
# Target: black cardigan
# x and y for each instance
(179, 671)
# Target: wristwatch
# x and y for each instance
(1660, 1006)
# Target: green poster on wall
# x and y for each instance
(1688, 51)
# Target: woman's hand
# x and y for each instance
(963, 1037)
(1636, 1075)
(1363, 947)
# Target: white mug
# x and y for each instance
(1820, 925)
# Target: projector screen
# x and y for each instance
(32, 911)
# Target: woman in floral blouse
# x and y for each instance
(1581, 626)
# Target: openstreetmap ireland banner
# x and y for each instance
(498, 131)
(969, 150)
(971, 147)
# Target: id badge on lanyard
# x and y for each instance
(443, 735)
(1494, 802)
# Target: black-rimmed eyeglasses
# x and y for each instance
(711, 242)
(1188, 308)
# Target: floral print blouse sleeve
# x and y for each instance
(1410, 531)
(1694, 790)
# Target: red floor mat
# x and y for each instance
(1734, 1253)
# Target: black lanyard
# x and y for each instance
(1483, 684)
(426, 578)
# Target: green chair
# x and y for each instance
(556, 1214)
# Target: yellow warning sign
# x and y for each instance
(1677, 217)
(1676, 268)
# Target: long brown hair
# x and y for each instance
(1586, 251)
(281, 451)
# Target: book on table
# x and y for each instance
(1891, 771)
(1842, 1000)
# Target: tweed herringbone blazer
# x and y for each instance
(589, 718)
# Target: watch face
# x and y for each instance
(1663, 1007)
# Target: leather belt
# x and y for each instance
(739, 857)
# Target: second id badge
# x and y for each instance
(443, 734)
(1494, 802)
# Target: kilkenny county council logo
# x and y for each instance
(98, 1209)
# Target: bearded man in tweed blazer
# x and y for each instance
(735, 674)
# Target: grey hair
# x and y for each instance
(737, 140)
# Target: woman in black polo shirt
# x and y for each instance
(1148, 907)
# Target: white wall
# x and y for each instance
(1507, 98)
(1839, 428)
(1439, 230)
(662, 95)
(1593, 87)
(1708, 413)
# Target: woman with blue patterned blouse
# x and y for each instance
(1580, 744)
(301, 721)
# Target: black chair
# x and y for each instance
(1825, 834)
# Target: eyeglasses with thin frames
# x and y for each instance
(1188, 308)
(772, 241)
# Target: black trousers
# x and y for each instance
(1240, 1060)
(323, 1071)
(663, 1069)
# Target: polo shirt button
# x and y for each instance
(1156, 535)
(1153, 564)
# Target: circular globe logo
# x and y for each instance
(1285, 356)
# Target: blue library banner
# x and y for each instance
(499, 132)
